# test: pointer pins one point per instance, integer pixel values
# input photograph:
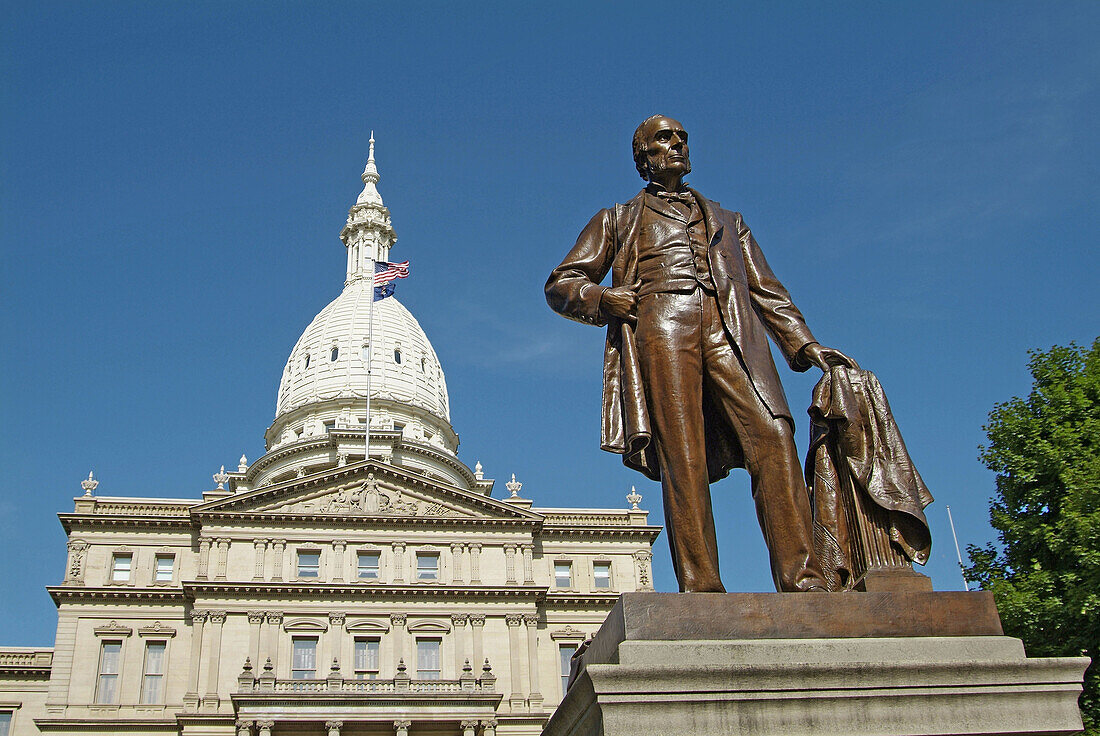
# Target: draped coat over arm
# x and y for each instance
(752, 302)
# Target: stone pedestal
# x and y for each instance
(909, 663)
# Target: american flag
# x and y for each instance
(384, 274)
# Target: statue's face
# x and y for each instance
(666, 148)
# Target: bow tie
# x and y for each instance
(684, 197)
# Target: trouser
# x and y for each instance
(686, 360)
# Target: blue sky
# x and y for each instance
(174, 178)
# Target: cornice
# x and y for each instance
(331, 591)
(71, 522)
(566, 600)
(275, 518)
(112, 724)
(358, 700)
(649, 533)
(114, 593)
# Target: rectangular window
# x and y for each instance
(427, 659)
(303, 660)
(368, 565)
(121, 565)
(601, 575)
(110, 658)
(164, 565)
(152, 683)
(309, 564)
(427, 566)
(563, 575)
(366, 658)
(5, 722)
(565, 655)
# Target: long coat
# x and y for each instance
(751, 300)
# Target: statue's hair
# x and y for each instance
(639, 146)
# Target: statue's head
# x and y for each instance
(660, 147)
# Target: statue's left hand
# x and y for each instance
(823, 357)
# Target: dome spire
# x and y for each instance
(370, 194)
(368, 234)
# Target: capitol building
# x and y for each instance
(358, 578)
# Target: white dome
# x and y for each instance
(328, 361)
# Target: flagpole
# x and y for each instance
(370, 358)
(958, 554)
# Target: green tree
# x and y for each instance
(1045, 574)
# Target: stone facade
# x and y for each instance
(203, 616)
(328, 588)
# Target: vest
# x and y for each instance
(672, 253)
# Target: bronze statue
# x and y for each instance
(690, 388)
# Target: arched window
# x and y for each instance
(397, 355)
(305, 361)
(334, 354)
(364, 352)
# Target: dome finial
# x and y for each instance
(370, 194)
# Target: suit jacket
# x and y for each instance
(751, 300)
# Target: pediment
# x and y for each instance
(373, 490)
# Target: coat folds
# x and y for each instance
(856, 447)
(752, 301)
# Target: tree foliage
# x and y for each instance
(1045, 574)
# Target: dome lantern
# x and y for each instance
(368, 234)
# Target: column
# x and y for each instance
(223, 556)
(398, 562)
(475, 563)
(255, 620)
(244, 728)
(401, 728)
(338, 546)
(469, 728)
(274, 620)
(529, 564)
(456, 562)
(264, 727)
(204, 557)
(458, 623)
(335, 637)
(510, 562)
(477, 625)
(397, 621)
(333, 727)
(277, 547)
(217, 620)
(531, 621)
(198, 618)
(261, 552)
(515, 654)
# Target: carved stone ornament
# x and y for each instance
(477, 619)
(514, 486)
(368, 498)
(90, 484)
(398, 619)
(157, 629)
(221, 478)
(634, 498)
(78, 551)
(113, 629)
(514, 619)
(568, 632)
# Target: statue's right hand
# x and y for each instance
(621, 302)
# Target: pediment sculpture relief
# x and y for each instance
(368, 498)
